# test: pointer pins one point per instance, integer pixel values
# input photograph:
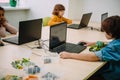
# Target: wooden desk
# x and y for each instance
(11, 53)
(67, 69)
(73, 69)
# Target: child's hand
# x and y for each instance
(88, 43)
(2, 21)
(65, 55)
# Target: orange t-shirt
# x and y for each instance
(56, 19)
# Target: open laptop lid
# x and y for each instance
(85, 20)
(58, 34)
(103, 17)
(29, 30)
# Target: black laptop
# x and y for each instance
(57, 41)
(103, 17)
(29, 30)
(83, 23)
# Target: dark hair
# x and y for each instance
(111, 26)
(2, 9)
(57, 8)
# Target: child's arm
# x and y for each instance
(2, 31)
(81, 56)
(88, 43)
(67, 20)
(53, 21)
(93, 43)
(9, 28)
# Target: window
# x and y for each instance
(4, 2)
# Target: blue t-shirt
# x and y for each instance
(111, 54)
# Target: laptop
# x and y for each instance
(57, 41)
(83, 23)
(29, 30)
(103, 17)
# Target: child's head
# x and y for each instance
(111, 26)
(58, 10)
(1, 13)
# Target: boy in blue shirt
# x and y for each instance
(110, 53)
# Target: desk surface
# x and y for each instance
(65, 69)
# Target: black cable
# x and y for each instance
(39, 45)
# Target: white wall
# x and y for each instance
(75, 9)
(38, 9)
(14, 16)
(96, 6)
(43, 8)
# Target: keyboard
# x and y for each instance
(69, 48)
(73, 26)
(12, 39)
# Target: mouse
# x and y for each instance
(82, 43)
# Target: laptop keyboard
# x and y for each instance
(73, 26)
(69, 48)
(77, 49)
(12, 39)
(61, 48)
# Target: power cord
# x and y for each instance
(38, 44)
(47, 54)
(95, 29)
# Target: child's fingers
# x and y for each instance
(63, 55)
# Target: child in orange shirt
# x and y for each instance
(57, 17)
(5, 26)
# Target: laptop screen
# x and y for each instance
(57, 35)
(85, 19)
(30, 30)
(104, 16)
